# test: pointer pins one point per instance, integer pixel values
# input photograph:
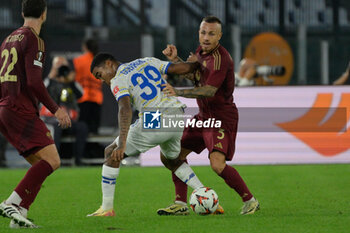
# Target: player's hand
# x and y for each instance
(109, 149)
(170, 52)
(168, 90)
(118, 154)
(192, 58)
(63, 118)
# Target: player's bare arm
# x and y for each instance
(171, 53)
(182, 67)
(124, 120)
(197, 92)
(191, 58)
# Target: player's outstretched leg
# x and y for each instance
(44, 162)
(109, 176)
(182, 175)
(234, 181)
(11, 211)
(110, 172)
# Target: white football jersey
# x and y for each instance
(141, 79)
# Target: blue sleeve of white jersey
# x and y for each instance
(121, 96)
(166, 68)
(162, 66)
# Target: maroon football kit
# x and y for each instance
(21, 90)
(216, 70)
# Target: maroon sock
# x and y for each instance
(180, 188)
(235, 181)
(25, 203)
(30, 185)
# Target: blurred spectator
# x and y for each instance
(91, 101)
(3, 145)
(57, 62)
(246, 73)
(344, 78)
(65, 92)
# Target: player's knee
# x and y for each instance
(183, 154)
(164, 160)
(55, 163)
(217, 168)
(173, 164)
(217, 162)
(168, 163)
(217, 165)
(50, 155)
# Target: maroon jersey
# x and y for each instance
(217, 70)
(21, 87)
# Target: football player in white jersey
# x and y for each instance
(139, 82)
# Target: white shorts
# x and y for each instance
(140, 141)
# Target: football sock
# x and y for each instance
(31, 197)
(24, 211)
(235, 181)
(30, 185)
(187, 175)
(251, 199)
(180, 189)
(14, 198)
(109, 176)
(181, 202)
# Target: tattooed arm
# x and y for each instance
(171, 53)
(182, 67)
(189, 76)
(197, 92)
(124, 121)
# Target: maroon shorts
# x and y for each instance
(223, 140)
(27, 133)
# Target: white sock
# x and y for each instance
(187, 175)
(23, 211)
(180, 203)
(14, 198)
(109, 176)
(251, 199)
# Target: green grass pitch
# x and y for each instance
(304, 198)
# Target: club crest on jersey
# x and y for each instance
(152, 119)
